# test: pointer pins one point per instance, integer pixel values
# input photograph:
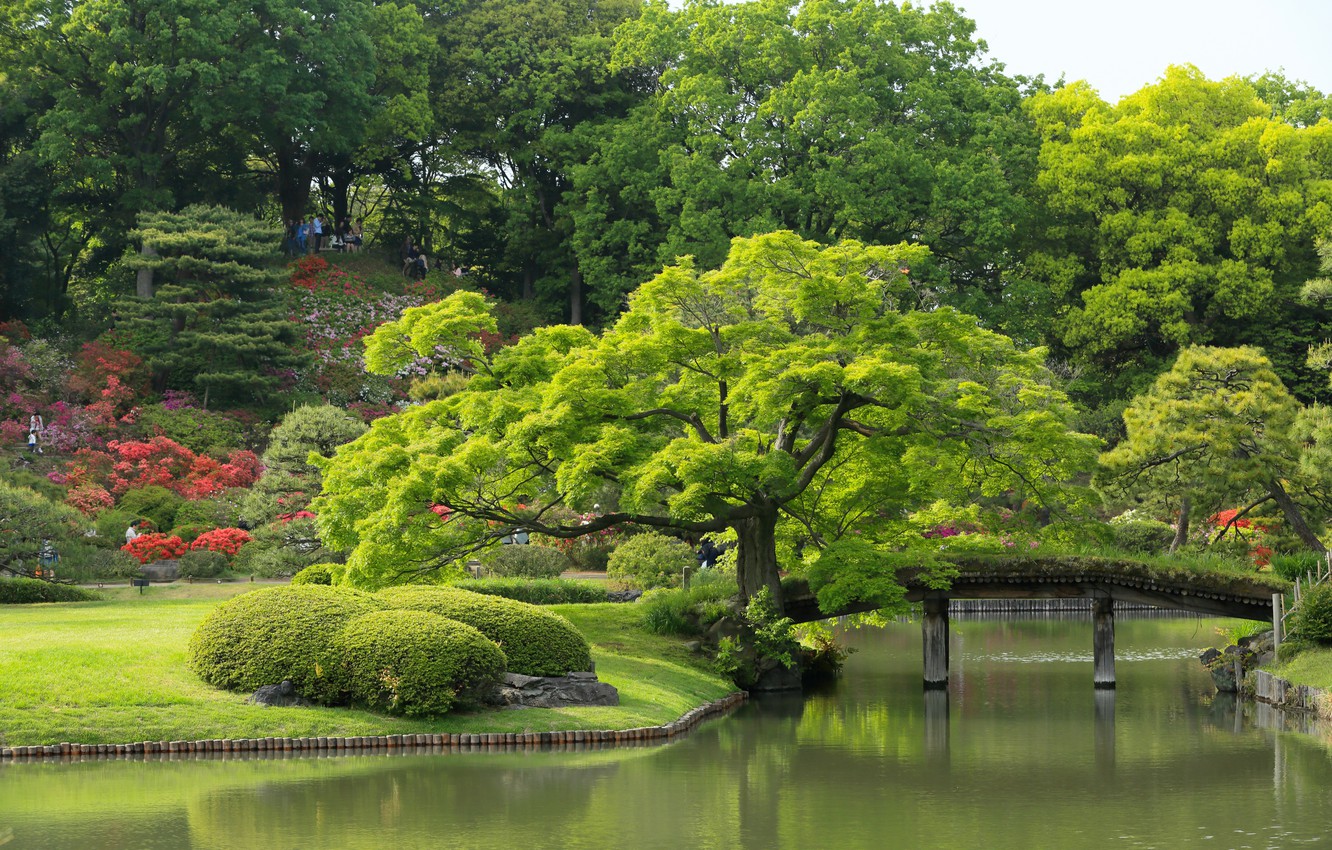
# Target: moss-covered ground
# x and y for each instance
(114, 671)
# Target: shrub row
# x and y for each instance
(546, 591)
(24, 591)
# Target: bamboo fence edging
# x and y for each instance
(321, 746)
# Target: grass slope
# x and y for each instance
(115, 672)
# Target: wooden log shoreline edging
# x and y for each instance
(1276, 691)
(423, 744)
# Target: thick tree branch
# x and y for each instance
(692, 419)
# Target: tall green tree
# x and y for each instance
(1183, 215)
(835, 119)
(1219, 430)
(215, 324)
(289, 481)
(517, 83)
(794, 391)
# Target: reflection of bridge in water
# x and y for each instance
(1101, 580)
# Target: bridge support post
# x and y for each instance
(934, 631)
(1103, 640)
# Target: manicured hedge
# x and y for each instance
(23, 591)
(536, 642)
(414, 663)
(264, 636)
(314, 574)
(538, 591)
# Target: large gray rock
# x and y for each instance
(519, 691)
(282, 694)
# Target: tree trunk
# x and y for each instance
(1182, 527)
(340, 183)
(756, 557)
(293, 179)
(576, 297)
(143, 282)
(1295, 517)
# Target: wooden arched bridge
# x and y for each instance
(1102, 580)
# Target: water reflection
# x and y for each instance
(1018, 752)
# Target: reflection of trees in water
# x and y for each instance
(426, 800)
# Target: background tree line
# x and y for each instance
(566, 151)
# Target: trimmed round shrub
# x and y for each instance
(320, 574)
(1143, 535)
(24, 591)
(264, 636)
(650, 560)
(1313, 617)
(202, 563)
(519, 561)
(536, 642)
(414, 663)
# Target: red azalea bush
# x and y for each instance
(163, 462)
(89, 499)
(228, 541)
(147, 548)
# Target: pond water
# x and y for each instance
(1020, 752)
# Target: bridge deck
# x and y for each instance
(1064, 577)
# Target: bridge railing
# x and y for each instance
(1281, 613)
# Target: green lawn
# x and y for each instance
(114, 672)
(1311, 667)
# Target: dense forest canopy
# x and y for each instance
(576, 164)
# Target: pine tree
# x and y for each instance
(214, 324)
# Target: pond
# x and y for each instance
(1020, 752)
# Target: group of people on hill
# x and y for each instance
(313, 236)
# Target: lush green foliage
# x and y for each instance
(1220, 429)
(650, 560)
(781, 395)
(535, 642)
(203, 563)
(154, 503)
(1182, 215)
(690, 612)
(201, 431)
(1296, 565)
(1313, 616)
(414, 663)
(289, 481)
(314, 574)
(25, 591)
(26, 521)
(545, 591)
(518, 561)
(266, 636)
(1142, 535)
(212, 324)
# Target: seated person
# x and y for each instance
(413, 261)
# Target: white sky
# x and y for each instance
(1123, 45)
